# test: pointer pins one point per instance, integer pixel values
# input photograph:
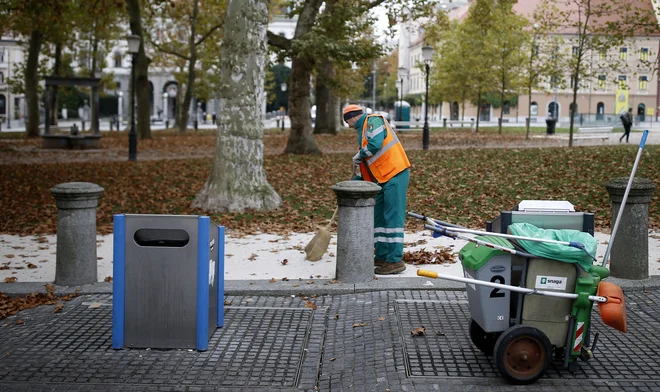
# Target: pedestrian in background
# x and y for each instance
(626, 120)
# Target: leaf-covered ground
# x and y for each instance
(467, 186)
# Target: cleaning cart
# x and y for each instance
(531, 292)
(527, 308)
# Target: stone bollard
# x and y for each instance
(629, 253)
(76, 232)
(355, 230)
(444, 123)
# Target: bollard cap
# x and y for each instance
(356, 189)
(641, 190)
(72, 195)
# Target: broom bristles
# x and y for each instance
(318, 245)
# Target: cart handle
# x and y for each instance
(435, 275)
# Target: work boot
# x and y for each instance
(379, 263)
(391, 268)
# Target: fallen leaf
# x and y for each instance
(253, 256)
(19, 322)
(310, 282)
(58, 308)
(381, 318)
(333, 281)
(296, 285)
(310, 305)
(359, 325)
(10, 279)
(18, 247)
(9, 256)
(332, 359)
(272, 280)
(440, 334)
(94, 305)
(337, 316)
(418, 331)
(285, 279)
(285, 261)
(108, 279)
(227, 303)
(31, 266)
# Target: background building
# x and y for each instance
(596, 101)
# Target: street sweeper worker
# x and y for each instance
(382, 160)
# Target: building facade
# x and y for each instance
(598, 101)
(12, 106)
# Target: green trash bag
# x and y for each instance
(548, 250)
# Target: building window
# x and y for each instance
(644, 54)
(602, 82)
(3, 104)
(555, 53)
(572, 82)
(2, 55)
(534, 109)
(535, 50)
(554, 80)
(117, 60)
(506, 107)
(602, 55)
(576, 51)
(622, 82)
(623, 54)
(2, 78)
(643, 83)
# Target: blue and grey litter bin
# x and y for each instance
(168, 285)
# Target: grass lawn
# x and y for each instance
(467, 186)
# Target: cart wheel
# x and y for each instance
(522, 354)
(481, 339)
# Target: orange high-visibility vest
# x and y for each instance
(389, 161)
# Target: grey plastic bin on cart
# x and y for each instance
(168, 285)
(489, 307)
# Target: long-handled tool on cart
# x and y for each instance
(625, 197)
(451, 232)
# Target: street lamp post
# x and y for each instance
(166, 119)
(283, 87)
(133, 48)
(427, 54)
(403, 72)
(120, 109)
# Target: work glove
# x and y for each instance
(357, 159)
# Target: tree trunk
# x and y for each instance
(529, 108)
(502, 107)
(478, 111)
(32, 83)
(56, 71)
(238, 180)
(190, 85)
(141, 73)
(326, 102)
(301, 139)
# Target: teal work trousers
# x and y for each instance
(389, 216)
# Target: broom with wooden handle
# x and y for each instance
(319, 244)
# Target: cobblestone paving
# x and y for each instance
(352, 342)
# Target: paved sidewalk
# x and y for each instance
(279, 344)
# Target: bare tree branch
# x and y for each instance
(208, 33)
(169, 51)
(278, 41)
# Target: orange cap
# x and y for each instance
(352, 108)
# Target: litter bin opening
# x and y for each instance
(174, 238)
